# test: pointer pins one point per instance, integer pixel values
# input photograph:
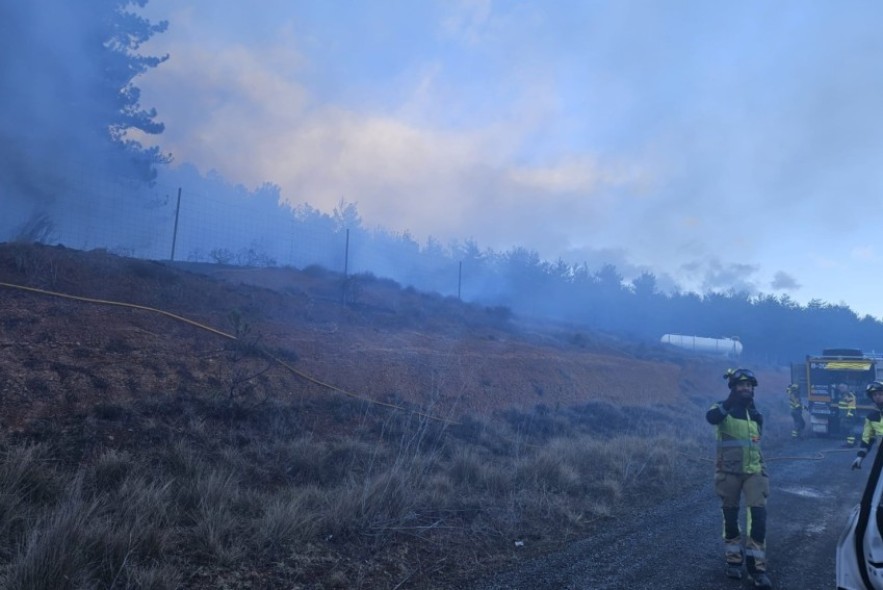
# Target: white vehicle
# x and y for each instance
(860, 548)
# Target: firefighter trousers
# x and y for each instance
(755, 487)
(799, 422)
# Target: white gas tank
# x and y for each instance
(730, 347)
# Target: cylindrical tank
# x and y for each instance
(717, 346)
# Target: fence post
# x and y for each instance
(175, 232)
(346, 255)
(459, 280)
(291, 243)
(346, 263)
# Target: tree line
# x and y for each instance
(70, 102)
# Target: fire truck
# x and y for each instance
(819, 378)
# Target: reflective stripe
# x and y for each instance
(756, 553)
(729, 548)
(848, 365)
(738, 449)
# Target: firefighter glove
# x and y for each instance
(735, 401)
(857, 464)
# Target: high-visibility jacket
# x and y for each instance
(872, 429)
(794, 400)
(738, 438)
(846, 405)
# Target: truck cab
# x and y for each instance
(820, 377)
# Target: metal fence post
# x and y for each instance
(346, 263)
(175, 232)
(346, 255)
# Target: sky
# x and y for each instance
(719, 145)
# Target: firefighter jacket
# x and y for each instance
(846, 405)
(794, 400)
(738, 437)
(872, 429)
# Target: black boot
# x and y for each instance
(734, 571)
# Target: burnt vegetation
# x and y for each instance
(404, 440)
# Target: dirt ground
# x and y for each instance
(812, 494)
(124, 327)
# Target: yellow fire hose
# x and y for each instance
(818, 456)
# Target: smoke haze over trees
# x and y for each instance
(69, 102)
(71, 172)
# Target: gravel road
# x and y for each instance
(677, 545)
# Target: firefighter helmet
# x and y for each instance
(872, 387)
(734, 376)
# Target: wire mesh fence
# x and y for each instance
(164, 222)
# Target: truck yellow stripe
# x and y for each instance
(848, 365)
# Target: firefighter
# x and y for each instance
(846, 412)
(796, 410)
(739, 470)
(873, 426)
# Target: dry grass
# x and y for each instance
(255, 501)
(165, 459)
